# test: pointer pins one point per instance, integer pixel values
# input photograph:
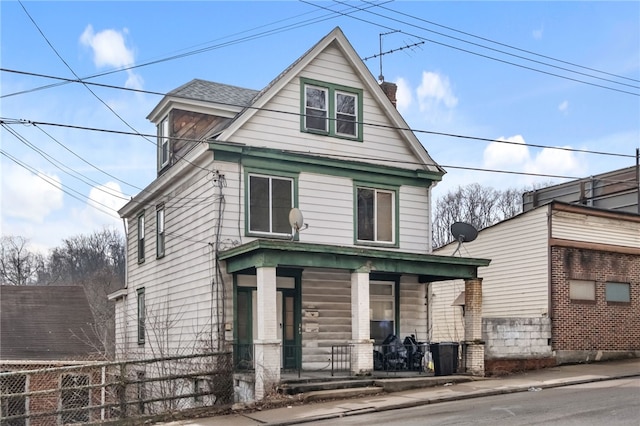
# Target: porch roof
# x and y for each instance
(274, 253)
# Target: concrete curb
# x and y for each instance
(460, 397)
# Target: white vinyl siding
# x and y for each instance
(593, 229)
(515, 284)
(381, 145)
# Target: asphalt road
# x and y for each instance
(611, 402)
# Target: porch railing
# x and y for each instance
(340, 358)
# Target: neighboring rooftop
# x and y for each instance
(45, 323)
(615, 190)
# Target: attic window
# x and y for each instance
(164, 146)
(331, 109)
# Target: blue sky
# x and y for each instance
(59, 181)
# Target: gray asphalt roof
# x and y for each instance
(216, 92)
(39, 323)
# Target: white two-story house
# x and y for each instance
(289, 221)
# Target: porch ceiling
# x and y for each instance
(274, 253)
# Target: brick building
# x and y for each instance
(563, 286)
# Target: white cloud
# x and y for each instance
(403, 95)
(434, 90)
(102, 207)
(499, 155)
(29, 196)
(518, 157)
(564, 107)
(110, 50)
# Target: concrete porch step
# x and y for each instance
(306, 386)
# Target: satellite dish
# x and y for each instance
(463, 233)
(296, 221)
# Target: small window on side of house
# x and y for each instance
(581, 290)
(141, 317)
(160, 234)
(164, 143)
(141, 237)
(618, 292)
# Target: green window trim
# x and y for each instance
(395, 225)
(267, 173)
(332, 91)
(141, 236)
(160, 231)
(141, 323)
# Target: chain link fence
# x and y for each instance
(122, 392)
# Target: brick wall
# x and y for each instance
(592, 327)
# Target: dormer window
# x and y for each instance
(164, 145)
(331, 110)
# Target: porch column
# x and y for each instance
(474, 346)
(361, 344)
(267, 345)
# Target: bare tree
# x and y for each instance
(18, 265)
(475, 204)
(97, 263)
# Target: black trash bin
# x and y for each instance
(445, 358)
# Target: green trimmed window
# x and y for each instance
(164, 143)
(270, 199)
(331, 109)
(141, 237)
(160, 231)
(375, 215)
(141, 316)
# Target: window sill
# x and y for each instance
(377, 244)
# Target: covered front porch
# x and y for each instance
(309, 307)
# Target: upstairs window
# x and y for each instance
(270, 201)
(375, 215)
(164, 146)
(316, 109)
(331, 109)
(160, 231)
(141, 237)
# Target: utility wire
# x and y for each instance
(59, 185)
(476, 53)
(59, 165)
(430, 132)
(301, 24)
(380, 6)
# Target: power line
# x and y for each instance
(301, 24)
(430, 132)
(476, 53)
(59, 185)
(504, 44)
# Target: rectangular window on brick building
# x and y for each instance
(582, 290)
(618, 292)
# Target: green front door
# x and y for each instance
(290, 330)
(288, 318)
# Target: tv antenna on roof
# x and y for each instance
(463, 233)
(296, 221)
(381, 54)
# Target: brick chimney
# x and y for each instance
(390, 90)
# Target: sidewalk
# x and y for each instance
(450, 391)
